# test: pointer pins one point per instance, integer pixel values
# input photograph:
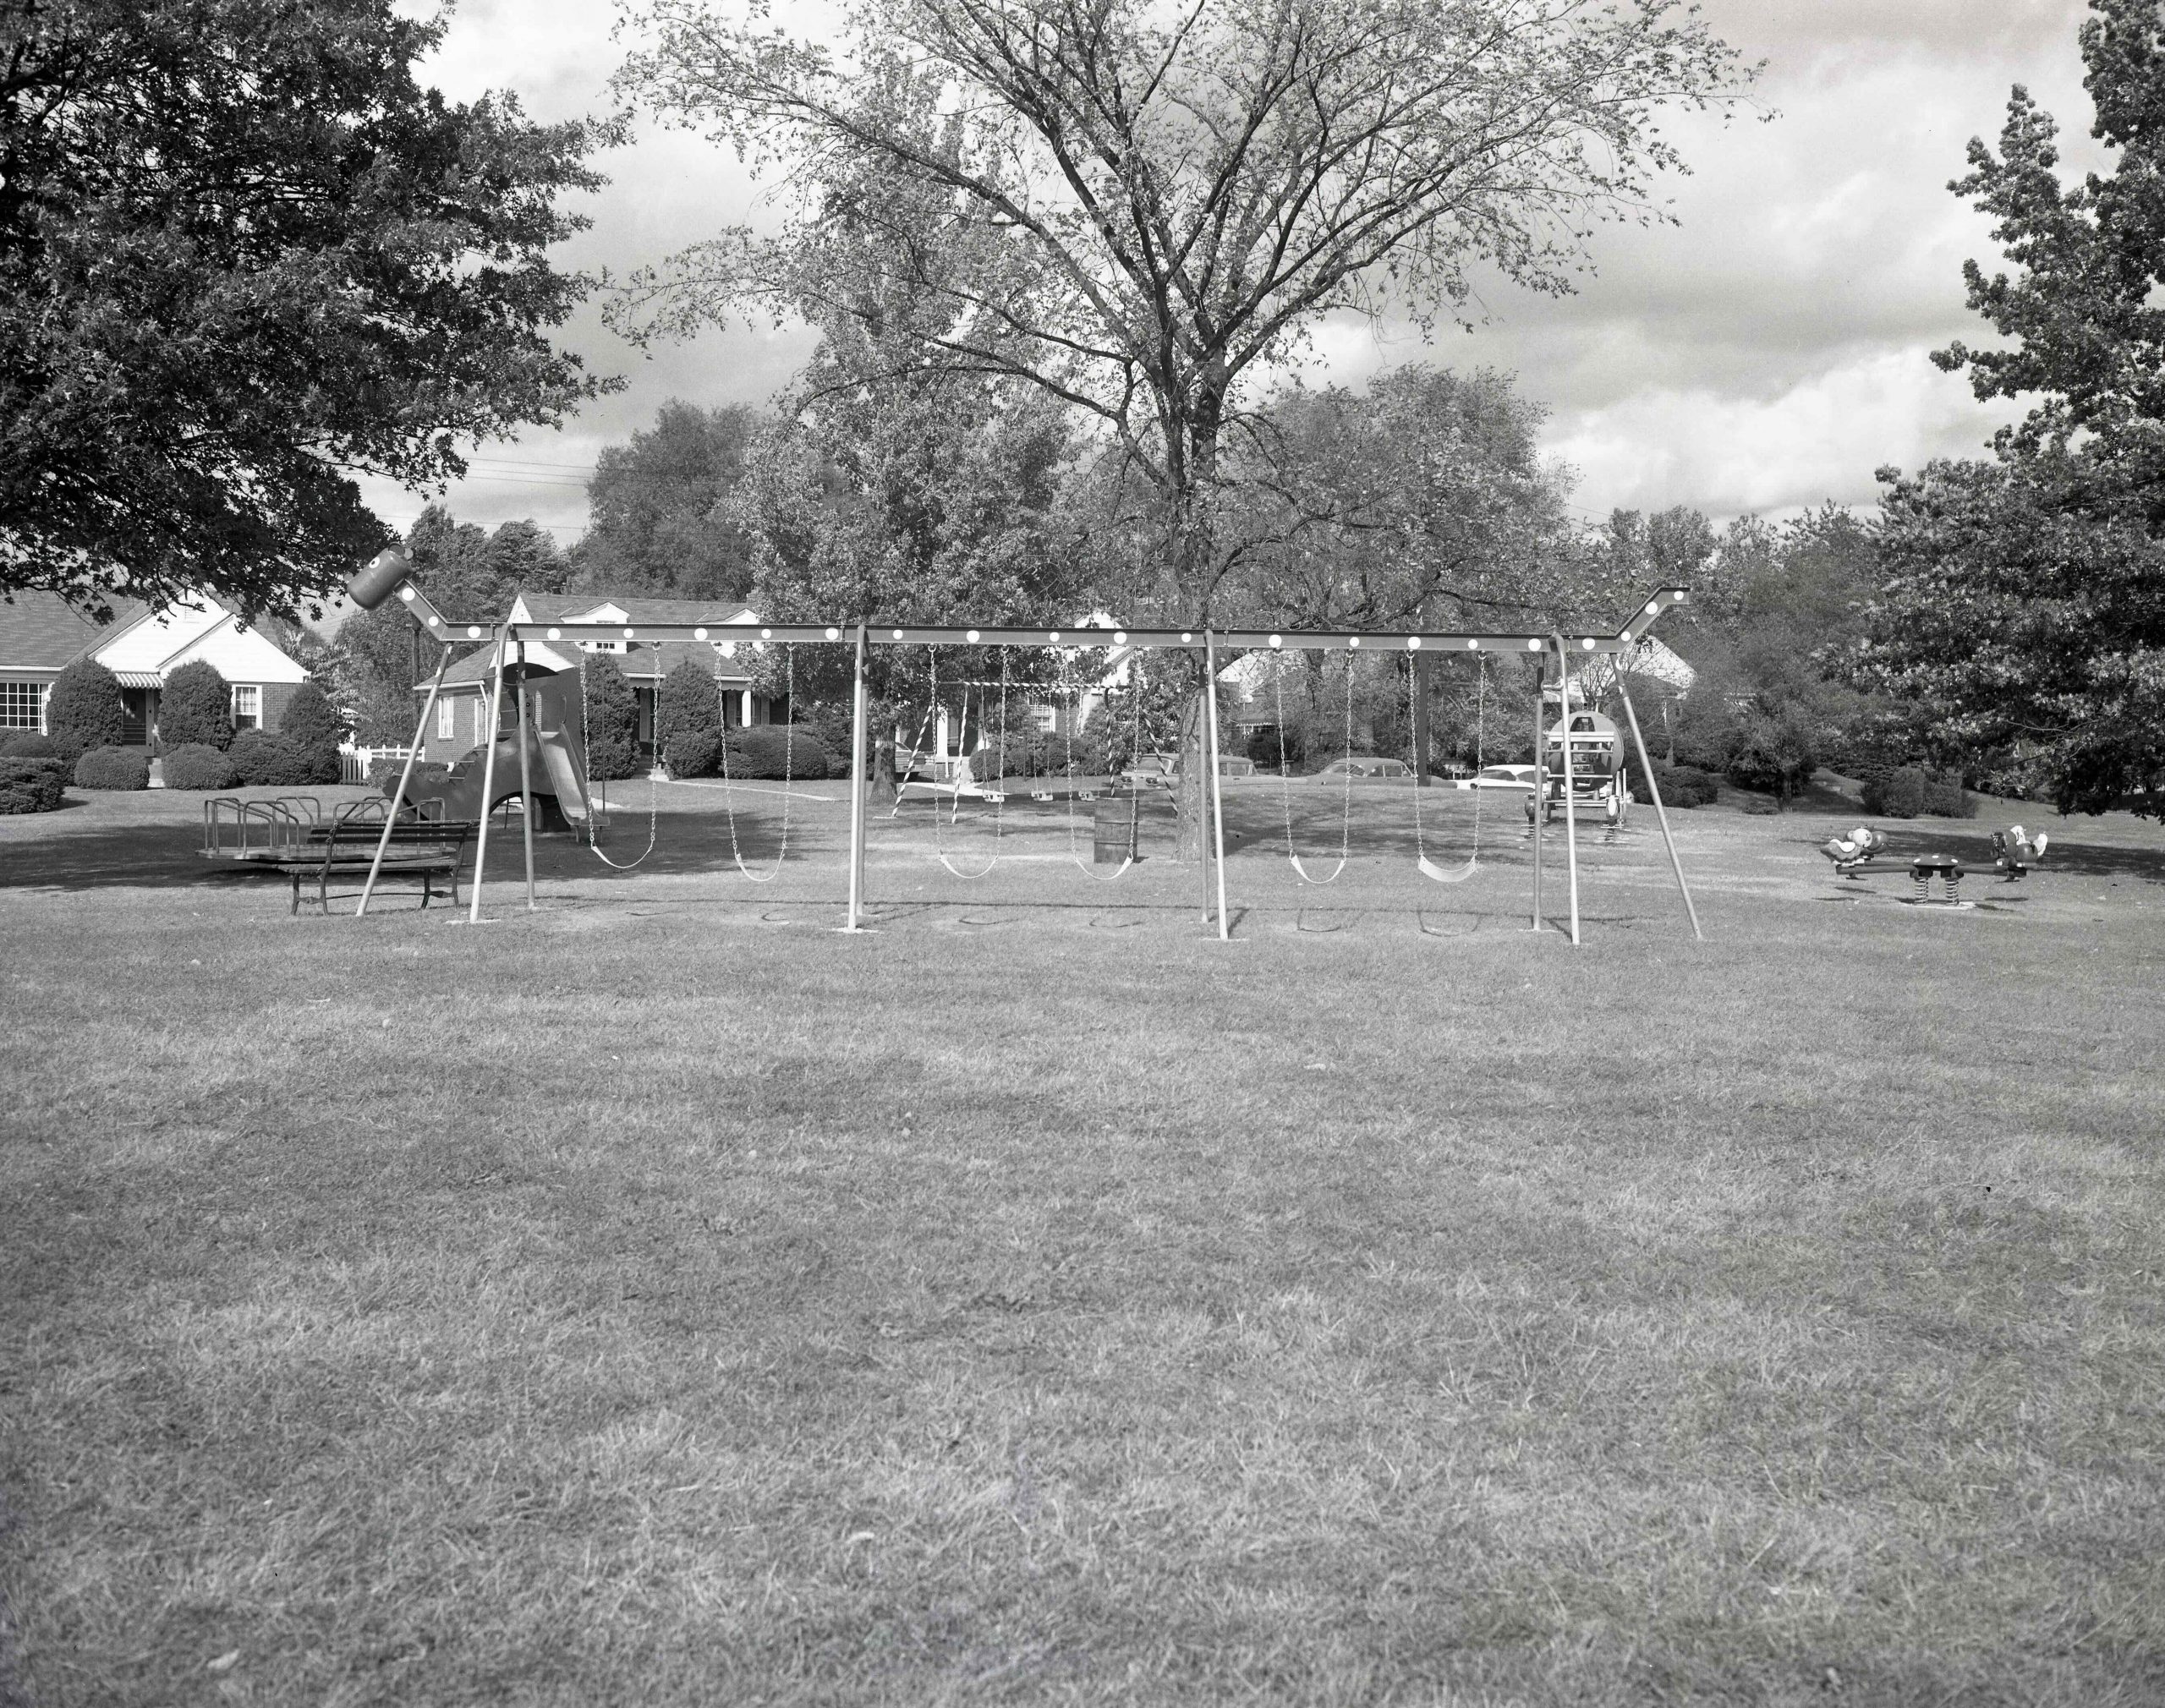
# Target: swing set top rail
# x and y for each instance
(731, 631)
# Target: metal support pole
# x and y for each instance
(1217, 796)
(1654, 794)
(1570, 809)
(405, 776)
(1540, 786)
(488, 781)
(525, 777)
(857, 784)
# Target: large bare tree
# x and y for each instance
(1144, 206)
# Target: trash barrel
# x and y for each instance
(1113, 828)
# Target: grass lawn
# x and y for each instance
(662, 1298)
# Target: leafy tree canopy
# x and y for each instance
(2024, 613)
(1138, 209)
(2084, 315)
(242, 257)
(661, 521)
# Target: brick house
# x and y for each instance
(41, 634)
(460, 721)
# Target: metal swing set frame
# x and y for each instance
(389, 574)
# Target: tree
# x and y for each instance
(2024, 612)
(196, 705)
(936, 502)
(2026, 626)
(309, 720)
(244, 255)
(470, 574)
(687, 702)
(84, 709)
(1769, 704)
(660, 518)
(1138, 211)
(2086, 317)
(609, 719)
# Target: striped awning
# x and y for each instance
(141, 679)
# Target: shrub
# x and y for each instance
(28, 745)
(310, 720)
(196, 766)
(611, 718)
(687, 702)
(1681, 785)
(196, 706)
(1272, 748)
(84, 709)
(31, 783)
(694, 753)
(1945, 797)
(269, 762)
(113, 768)
(771, 751)
(1896, 794)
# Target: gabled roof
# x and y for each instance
(643, 665)
(42, 631)
(570, 607)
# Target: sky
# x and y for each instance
(1764, 355)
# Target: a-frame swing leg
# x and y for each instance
(488, 781)
(860, 780)
(1540, 787)
(1570, 812)
(405, 776)
(1661, 816)
(525, 778)
(1217, 799)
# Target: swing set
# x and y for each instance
(391, 574)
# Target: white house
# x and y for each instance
(40, 634)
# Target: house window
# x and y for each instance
(446, 718)
(480, 720)
(22, 705)
(248, 706)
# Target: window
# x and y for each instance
(248, 706)
(446, 718)
(22, 705)
(480, 720)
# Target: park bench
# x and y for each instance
(423, 849)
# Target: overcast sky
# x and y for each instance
(1766, 355)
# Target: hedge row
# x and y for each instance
(764, 751)
(1908, 791)
(1681, 785)
(31, 783)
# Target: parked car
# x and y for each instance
(1502, 777)
(1363, 765)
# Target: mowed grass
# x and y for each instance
(662, 1298)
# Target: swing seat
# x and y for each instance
(1441, 875)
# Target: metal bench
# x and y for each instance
(423, 849)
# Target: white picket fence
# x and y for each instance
(354, 763)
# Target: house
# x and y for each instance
(460, 722)
(40, 634)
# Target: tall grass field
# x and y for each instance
(660, 1297)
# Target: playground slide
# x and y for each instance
(555, 759)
